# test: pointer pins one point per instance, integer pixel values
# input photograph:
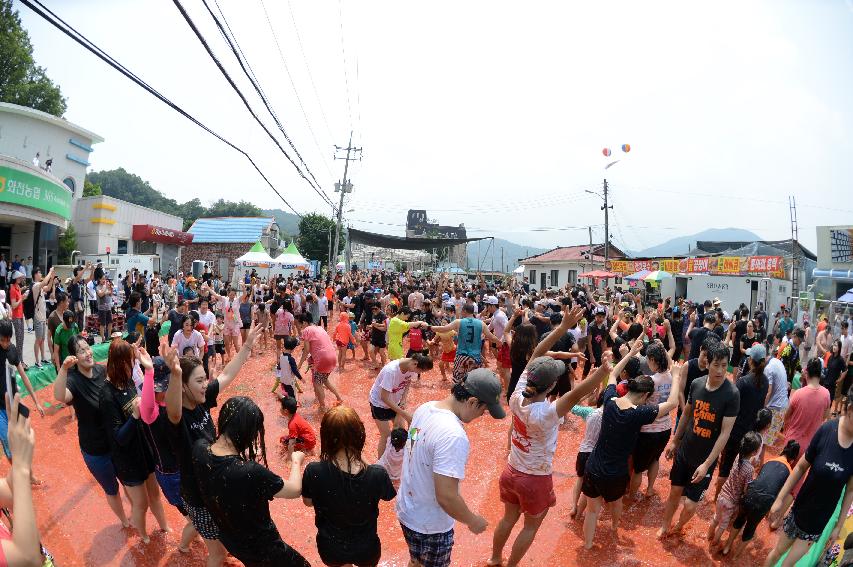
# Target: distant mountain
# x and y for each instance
(490, 254)
(683, 244)
(288, 223)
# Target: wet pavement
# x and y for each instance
(77, 526)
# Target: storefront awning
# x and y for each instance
(151, 233)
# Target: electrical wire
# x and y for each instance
(236, 89)
(308, 68)
(344, 55)
(60, 24)
(289, 76)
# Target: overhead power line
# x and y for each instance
(236, 89)
(289, 76)
(68, 30)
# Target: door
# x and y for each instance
(543, 278)
(753, 296)
(680, 287)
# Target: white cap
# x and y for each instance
(491, 300)
(17, 274)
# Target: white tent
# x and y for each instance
(256, 257)
(290, 261)
(519, 270)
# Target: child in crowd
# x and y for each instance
(262, 320)
(286, 369)
(392, 459)
(343, 337)
(733, 489)
(416, 341)
(353, 326)
(448, 351)
(300, 435)
(759, 497)
(763, 419)
(592, 416)
(217, 333)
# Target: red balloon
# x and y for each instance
(606, 152)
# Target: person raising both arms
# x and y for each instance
(470, 332)
(606, 475)
(526, 486)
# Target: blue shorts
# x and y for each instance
(101, 467)
(4, 433)
(170, 484)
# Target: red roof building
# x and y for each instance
(560, 266)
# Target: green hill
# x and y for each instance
(288, 223)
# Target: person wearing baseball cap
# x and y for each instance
(434, 463)
(526, 484)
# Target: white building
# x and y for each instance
(36, 204)
(106, 225)
(562, 265)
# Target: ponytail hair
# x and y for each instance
(759, 380)
(762, 420)
(791, 450)
(641, 384)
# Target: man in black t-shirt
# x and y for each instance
(709, 415)
(697, 336)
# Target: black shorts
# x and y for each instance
(610, 488)
(246, 325)
(219, 348)
(728, 456)
(378, 342)
(681, 474)
(649, 448)
(105, 317)
(752, 510)
(337, 553)
(580, 463)
(382, 414)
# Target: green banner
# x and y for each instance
(30, 190)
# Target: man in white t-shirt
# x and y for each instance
(429, 502)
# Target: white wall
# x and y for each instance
(563, 269)
(93, 238)
(23, 132)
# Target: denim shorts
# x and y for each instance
(170, 484)
(4, 433)
(101, 467)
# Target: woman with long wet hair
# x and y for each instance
(236, 487)
(345, 492)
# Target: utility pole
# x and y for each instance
(606, 226)
(795, 245)
(606, 208)
(343, 187)
(590, 248)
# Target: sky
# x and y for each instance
(492, 114)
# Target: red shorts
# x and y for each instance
(534, 494)
(448, 356)
(503, 356)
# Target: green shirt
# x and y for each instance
(61, 336)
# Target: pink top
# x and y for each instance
(323, 352)
(806, 410)
(283, 322)
(195, 340)
(148, 407)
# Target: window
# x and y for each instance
(555, 277)
(140, 247)
(122, 247)
(533, 277)
(573, 277)
(69, 182)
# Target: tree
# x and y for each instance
(91, 189)
(67, 244)
(223, 208)
(21, 80)
(190, 211)
(313, 240)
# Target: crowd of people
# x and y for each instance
(753, 412)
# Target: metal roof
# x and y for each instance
(229, 229)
